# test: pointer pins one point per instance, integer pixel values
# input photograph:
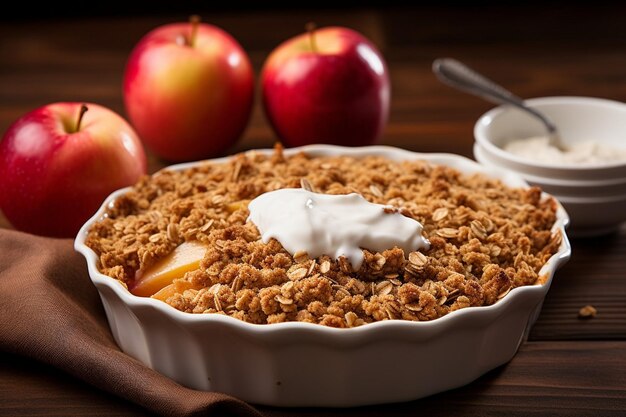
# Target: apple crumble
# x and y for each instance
(485, 239)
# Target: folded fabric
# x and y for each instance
(52, 313)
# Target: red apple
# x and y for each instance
(328, 86)
(58, 163)
(188, 89)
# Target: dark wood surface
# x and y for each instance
(569, 366)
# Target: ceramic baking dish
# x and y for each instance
(303, 364)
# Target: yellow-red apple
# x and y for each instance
(60, 161)
(188, 89)
(327, 86)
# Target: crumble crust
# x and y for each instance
(486, 239)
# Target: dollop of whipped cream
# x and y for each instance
(333, 225)
(538, 148)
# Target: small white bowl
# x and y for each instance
(585, 190)
(595, 216)
(560, 187)
(303, 364)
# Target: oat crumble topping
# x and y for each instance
(486, 239)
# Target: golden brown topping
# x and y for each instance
(486, 239)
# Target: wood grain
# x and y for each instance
(28, 388)
(518, 389)
(587, 379)
(596, 275)
(569, 366)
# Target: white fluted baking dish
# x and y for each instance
(303, 364)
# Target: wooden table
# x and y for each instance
(568, 366)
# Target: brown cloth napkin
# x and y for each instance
(51, 312)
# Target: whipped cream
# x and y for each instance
(333, 225)
(584, 153)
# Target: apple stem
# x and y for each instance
(310, 27)
(81, 113)
(195, 21)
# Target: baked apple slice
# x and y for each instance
(186, 257)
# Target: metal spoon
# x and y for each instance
(458, 75)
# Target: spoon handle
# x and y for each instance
(458, 75)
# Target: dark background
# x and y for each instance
(19, 11)
(568, 367)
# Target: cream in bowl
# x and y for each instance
(591, 165)
(540, 149)
(472, 259)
